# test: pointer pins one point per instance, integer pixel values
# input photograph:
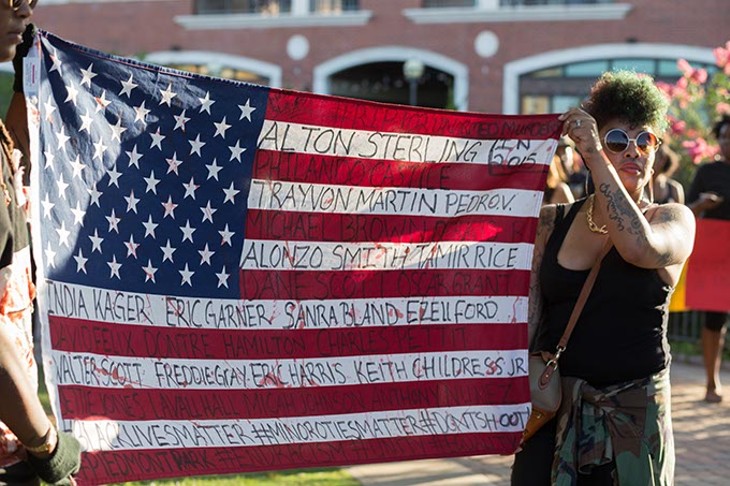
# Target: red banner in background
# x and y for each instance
(708, 275)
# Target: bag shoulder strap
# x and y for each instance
(582, 298)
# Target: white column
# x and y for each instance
(300, 7)
(488, 4)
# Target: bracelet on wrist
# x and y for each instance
(46, 447)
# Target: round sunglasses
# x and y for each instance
(617, 140)
(17, 4)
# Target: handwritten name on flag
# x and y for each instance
(237, 278)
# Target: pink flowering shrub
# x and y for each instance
(722, 57)
(699, 150)
(697, 99)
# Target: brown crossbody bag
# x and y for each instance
(545, 389)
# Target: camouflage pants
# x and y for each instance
(628, 424)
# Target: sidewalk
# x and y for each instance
(701, 435)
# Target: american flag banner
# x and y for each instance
(235, 278)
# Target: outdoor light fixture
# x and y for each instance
(413, 70)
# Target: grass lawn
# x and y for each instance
(309, 477)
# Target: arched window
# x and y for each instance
(220, 65)
(384, 82)
(557, 88)
(265, 7)
(376, 74)
(552, 81)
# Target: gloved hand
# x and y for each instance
(20, 52)
(62, 463)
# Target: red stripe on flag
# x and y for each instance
(344, 113)
(324, 169)
(264, 224)
(83, 336)
(83, 403)
(365, 284)
(143, 464)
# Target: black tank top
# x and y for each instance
(621, 334)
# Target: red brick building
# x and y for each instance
(483, 55)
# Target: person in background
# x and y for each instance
(557, 190)
(709, 197)
(665, 188)
(30, 446)
(614, 424)
(575, 173)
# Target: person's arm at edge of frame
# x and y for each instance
(20, 408)
(54, 455)
(665, 241)
(535, 304)
(17, 125)
(16, 118)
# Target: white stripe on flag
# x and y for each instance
(401, 147)
(106, 435)
(102, 371)
(326, 256)
(329, 198)
(128, 308)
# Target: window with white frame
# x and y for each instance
(506, 3)
(333, 6)
(556, 88)
(276, 7)
(264, 7)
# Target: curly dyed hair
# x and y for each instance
(630, 97)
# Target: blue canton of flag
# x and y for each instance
(145, 174)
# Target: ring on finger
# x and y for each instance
(577, 123)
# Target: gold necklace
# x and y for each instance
(589, 218)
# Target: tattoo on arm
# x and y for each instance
(660, 217)
(627, 219)
(534, 311)
(620, 211)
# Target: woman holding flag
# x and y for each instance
(614, 425)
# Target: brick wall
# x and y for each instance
(132, 28)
